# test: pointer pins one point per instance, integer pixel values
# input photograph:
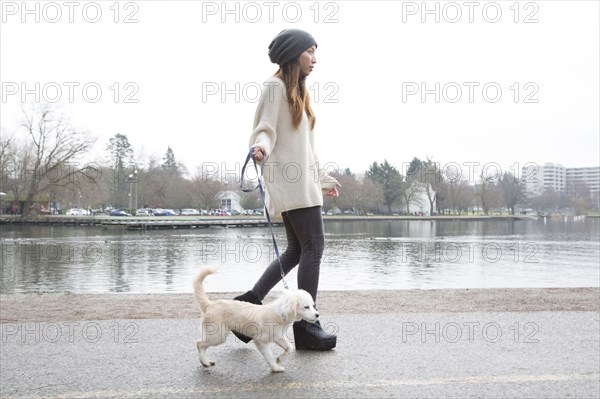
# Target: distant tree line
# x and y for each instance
(424, 185)
(45, 159)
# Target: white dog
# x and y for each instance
(263, 323)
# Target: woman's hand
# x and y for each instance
(257, 154)
(334, 191)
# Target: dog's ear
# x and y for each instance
(289, 305)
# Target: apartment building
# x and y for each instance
(538, 178)
(588, 176)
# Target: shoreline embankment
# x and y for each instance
(53, 307)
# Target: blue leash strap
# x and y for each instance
(262, 197)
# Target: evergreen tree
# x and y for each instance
(390, 180)
(169, 164)
(121, 155)
(120, 151)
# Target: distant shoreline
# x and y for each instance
(199, 222)
(244, 221)
(144, 223)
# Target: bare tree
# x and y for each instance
(548, 200)
(205, 191)
(413, 184)
(454, 196)
(369, 196)
(51, 152)
(432, 180)
(179, 192)
(347, 195)
(357, 194)
(251, 200)
(512, 191)
(349, 192)
(11, 167)
(581, 198)
(487, 192)
(409, 192)
(150, 183)
(6, 158)
(463, 198)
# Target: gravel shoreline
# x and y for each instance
(75, 307)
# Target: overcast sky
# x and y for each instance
(516, 82)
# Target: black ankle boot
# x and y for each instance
(311, 336)
(247, 297)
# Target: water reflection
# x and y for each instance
(359, 255)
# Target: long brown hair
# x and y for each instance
(298, 98)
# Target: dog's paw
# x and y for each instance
(208, 364)
(278, 369)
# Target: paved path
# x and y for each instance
(544, 354)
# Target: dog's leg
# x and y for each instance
(265, 349)
(211, 336)
(286, 347)
(202, 346)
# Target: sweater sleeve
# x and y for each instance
(271, 101)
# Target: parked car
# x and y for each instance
(119, 212)
(189, 212)
(221, 212)
(77, 212)
(164, 212)
(144, 212)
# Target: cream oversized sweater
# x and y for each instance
(292, 174)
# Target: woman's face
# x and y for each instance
(307, 61)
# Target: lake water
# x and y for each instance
(359, 255)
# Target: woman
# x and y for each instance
(295, 181)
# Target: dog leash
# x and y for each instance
(262, 197)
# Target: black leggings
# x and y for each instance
(304, 231)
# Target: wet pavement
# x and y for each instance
(483, 354)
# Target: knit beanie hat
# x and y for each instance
(289, 44)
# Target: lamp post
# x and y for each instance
(136, 190)
(131, 181)
(52, 209)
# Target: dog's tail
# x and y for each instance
(199, 293)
